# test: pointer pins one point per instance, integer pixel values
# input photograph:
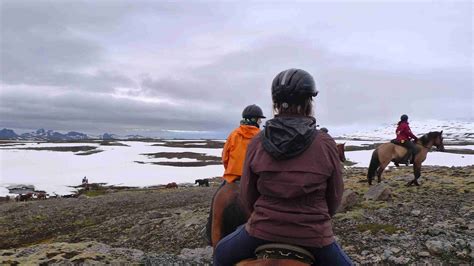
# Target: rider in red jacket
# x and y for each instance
(404, 136)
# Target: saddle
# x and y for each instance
(396, 142)
(406, 159)
(284, 251)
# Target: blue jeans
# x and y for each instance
(240, 245)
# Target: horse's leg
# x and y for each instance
(417, 173)
(380, 171)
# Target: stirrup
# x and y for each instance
(284, 251)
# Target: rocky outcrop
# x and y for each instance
(378, 192)
(349, 199)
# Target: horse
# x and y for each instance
(41, 195)
(202, 182)
(389, 152)
(24, 197)
(340, 151)
(227, 213)
(171, 185)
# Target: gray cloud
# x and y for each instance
(126, 65)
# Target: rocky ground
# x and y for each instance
(390, 224)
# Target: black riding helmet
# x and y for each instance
(293, 85)
(252, 111)
(404, 118)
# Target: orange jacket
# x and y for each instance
(235, 148)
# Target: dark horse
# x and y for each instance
(389, 152)
(227, 212)
(202, 182)
(171, 185)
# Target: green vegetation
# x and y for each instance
(375, 228)
(350, 215)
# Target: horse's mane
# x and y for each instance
(429, 136)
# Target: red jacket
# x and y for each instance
(404, 132)
(292, 201)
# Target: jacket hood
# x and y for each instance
(286, 137)
(247, 131)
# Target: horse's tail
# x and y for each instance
(374, 164)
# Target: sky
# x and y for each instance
(190, 67)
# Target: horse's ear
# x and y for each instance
(441, 133)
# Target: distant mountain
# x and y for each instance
(108, 136)
(8, 134)
(135, 137)
(43, 135)
(51, 135)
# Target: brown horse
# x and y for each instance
(171, 185)
(227, 213)
(389, 152)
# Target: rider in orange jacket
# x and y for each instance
(233, 155)
(235, 148)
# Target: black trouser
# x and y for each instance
(411, 148)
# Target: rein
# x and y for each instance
(429, 148)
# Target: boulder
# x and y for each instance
(349, 199)
(379, 192)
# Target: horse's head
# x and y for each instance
(438, 142)
(340, 151)
(436, 138)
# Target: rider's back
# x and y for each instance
(298, 195)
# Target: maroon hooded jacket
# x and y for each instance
(292, 183)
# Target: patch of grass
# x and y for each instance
(94, 193)
(459, 151)
(350, 215)
(89, 152)
(374, 228)
(84, 223)
(113, 143)
(38, 217)
(374, 205)
(61, 149)
(193, 144)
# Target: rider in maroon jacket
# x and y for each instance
(404, 136)
(291, 182)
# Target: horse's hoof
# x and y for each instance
(416, 183)
(409, 184)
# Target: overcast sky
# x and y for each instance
(141, 67)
